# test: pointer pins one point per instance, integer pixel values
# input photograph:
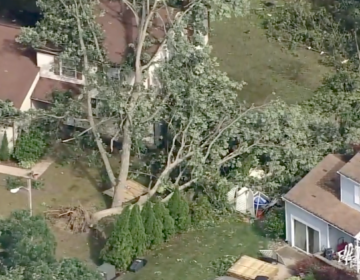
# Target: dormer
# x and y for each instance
(350, 182)
(53, 67)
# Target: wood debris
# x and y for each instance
(75, 219)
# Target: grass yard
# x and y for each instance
(189, 256)
(64, 186)
(244, 52)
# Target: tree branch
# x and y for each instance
(182, 187)
(131, 7)
(86, 130)
(90, 113)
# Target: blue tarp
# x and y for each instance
(260, 201)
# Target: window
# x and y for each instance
(66, 69)
(357, 194)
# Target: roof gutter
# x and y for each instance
(347, 177)
(312, 214)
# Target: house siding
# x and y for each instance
(46, 63)
(348, 192)
(294, 212)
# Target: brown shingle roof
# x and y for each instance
(45, 87)
(17, 67)
(120, 28)
(352, 168)
(319, 193)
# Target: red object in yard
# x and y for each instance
(341, 244)
(260, 214)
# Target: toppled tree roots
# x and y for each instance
(75, 219)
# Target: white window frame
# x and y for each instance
(357, 194)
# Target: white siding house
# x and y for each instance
(323, 209)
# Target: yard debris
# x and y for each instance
(75, 219)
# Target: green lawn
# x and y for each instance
(189, 256)
(244, 52)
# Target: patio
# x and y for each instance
(348, 257)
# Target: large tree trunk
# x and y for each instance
(98, 140)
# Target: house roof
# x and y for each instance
(120, 28)
(45, 87)
(352, 168)
(17, 66)
(319, 193)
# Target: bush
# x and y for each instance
(4, 149)
(222, 265)
(26, 240)
(158, 236)
(30, 146)
(16, 182)
(202, 213)
(118, 249)
(148, 217)
(274, 223)
(137, 231)
(179, 211)
(167, 221)
(317, 270)
(13, 182)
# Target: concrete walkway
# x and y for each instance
(38, 169)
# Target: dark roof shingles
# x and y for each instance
(45, 87)
(18, 67)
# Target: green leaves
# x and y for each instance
(29, 247)
(137, 231)
(118, 249)
(179, 211)
(4, 148)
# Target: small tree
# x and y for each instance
(118, 249)
(179, 211)
(167, 221)
(137, 231)
(4, 149)
(158, 236)
(148, 217)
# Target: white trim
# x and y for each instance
(307, 233)
(348, 178)
(356, 194)
(292, 203)
(328, 236)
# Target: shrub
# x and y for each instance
(16, 182)
(4, 149)
(222, 265)
(26, 240)
(318, 270)
(158, 236)
(13, 182)
(137, 231)
(274, 223)
(148, 217)
(179, 211)
(167, 221)
(30, 146)
(118, 249)
(202, 212)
